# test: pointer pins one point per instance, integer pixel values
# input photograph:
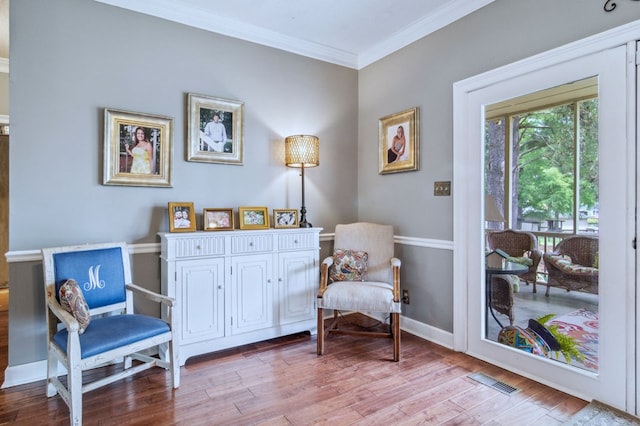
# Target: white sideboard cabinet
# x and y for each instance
(239, 287)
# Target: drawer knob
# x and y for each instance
(198, 247)
(219, 287)
(250, 244)
(295, 241)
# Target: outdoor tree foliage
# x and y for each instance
(543, 160)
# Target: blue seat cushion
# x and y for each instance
(113, 332)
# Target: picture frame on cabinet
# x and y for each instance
(285, 218)
(217, 219)
(138, 149)
(253, 217)
(399, 144)
(214, 130)
(182, 217)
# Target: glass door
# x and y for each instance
(549, 165)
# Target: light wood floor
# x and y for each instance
(283, 382)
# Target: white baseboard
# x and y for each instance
(24, 373)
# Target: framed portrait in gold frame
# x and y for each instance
(399, 144)
(253, 217)
(182, 217)
(217, 219)
(285, 218)
(137, 149)
(214, 133)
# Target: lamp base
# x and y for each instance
(305, 224)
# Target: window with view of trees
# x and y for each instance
(550, 140)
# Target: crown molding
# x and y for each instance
(4, 65)
(205, 20)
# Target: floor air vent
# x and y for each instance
(493, 383)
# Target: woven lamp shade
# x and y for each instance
(302, 150)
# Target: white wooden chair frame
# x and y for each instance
(72, 361)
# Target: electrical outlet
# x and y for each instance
(442, 188)
(405, 297)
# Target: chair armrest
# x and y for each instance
(169, 301)
(70, 323)
(324, 274)
(395, 266)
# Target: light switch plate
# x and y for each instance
(442, 188)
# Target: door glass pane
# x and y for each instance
(541, 219)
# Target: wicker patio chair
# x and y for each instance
(522, 246)
(573, 264)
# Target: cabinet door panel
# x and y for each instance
(202, 290)
(252, 293)
(298, 283)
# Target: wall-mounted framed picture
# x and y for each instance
(137, 149)
(285, 218)
(214, 130)
(182, 217)
(253, 217)
(217, 219)
(399, 144)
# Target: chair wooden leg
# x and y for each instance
(52, 371)
(320, 332)
(74, 377)
(175, 365)
(395, 320)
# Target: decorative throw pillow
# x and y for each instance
(349, 265)
(72, 300)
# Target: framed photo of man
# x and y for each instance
(214, 130)
(399, 142)
(137, 149)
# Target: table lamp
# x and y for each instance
(302, 151)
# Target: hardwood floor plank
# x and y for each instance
(283, 382)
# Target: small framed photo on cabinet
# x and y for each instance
(182, 217)
(285, 218)
(217, 219)
(253, 217)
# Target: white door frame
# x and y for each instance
(467, 225)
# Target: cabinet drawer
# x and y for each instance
(251, 243)
(296, 241)
(190, 247)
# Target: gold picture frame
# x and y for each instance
(211, 139)
(399, 144)
(182, 217)
(137, 149)
(285, 218)
(217, 219)
(253, 217)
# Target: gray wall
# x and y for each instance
(72, 58)
(423, 75)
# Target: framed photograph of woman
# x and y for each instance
(182, 217)
(399, 143)
(217, 219)
(214, 133)
(285, 218)
(253, 217)
(137, 149)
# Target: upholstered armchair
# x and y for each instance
(573, 264)
(522, 247)
(362, 276)
(91, 322)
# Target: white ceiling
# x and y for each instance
(352, 33)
